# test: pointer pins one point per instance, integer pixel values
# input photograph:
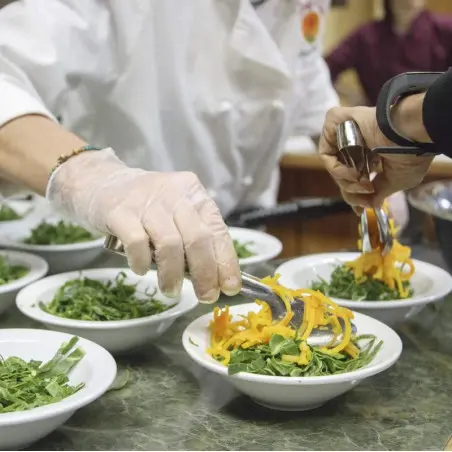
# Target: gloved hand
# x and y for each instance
(399, 172)
(172, 210)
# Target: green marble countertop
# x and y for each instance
(171, 403)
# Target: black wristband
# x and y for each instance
(394, 90)
(437, 113)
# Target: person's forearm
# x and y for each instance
(407, 118)
(29, 149)
(350, 96)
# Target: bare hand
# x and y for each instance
(398, 172)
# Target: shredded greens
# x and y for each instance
(242, 249)
(267, 359)
(61, 233)
(343, 285)
(26, 385)
(8, 214)
(10, 272)
(90, 299)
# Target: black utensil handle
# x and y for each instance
(404, 150)
(307, 209)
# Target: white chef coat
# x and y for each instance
(210, 86)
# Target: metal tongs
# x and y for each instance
(352, 148)
(384, 232)
(253, 288)
(354, 153)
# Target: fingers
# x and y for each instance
(168, 248)
(199, 250)
(357, 193)
(347, 178)
(395, 173)
(225, 255)
(226, 261)
(339, 170)
(384, 188)
(358, 201)
(182, 224)
(333, 118)
(129, 230)
(404, 172)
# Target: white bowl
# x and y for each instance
(293, 393)
(37, 269)
(61, 258)
(116, 336)
(97, 370)
(430, 284)
(264, 246)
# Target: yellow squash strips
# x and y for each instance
(389, 268)
(257, 328)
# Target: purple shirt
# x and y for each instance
(378, 53)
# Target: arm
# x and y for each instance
(344, 56)
(407, 117)
(428, 117)
(425, 117)
(46, 46)
(50, 47)
(27, 158)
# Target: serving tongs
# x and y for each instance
(254, 289)
(384, 232)
(352, 148)
(354, 153)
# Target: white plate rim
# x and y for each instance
(288, 268)
(209, 363)
(27, 301)
(80, 246)
(261, 236)
(102, 377)
(38, 269)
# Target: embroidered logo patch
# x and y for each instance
(310, 25)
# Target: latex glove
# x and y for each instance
(398, 172)
(173, 210)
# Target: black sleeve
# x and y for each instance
(437, 113)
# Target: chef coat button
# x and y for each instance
(225, 106)
(278, 104)
(247, 181)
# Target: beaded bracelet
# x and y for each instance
(64, 158)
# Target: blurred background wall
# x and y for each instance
(343, 20)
